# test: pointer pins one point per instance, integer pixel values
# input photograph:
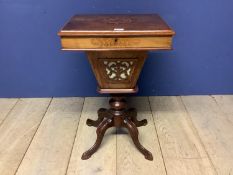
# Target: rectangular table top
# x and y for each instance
(120, 25)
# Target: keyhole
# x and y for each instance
(116, 40)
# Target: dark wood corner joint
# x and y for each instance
(116, 47)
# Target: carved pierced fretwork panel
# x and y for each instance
(118, 70)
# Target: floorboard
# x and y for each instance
(6, 105)
(182, 149)
(17, 131)
(51, 147)
(225, 103)
(214, 129)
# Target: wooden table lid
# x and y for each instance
(110, 25)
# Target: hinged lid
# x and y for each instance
(111, 25)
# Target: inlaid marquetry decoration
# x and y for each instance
(117, 69)
(118, 20)
(114, 42)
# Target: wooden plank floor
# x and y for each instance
(187, 135)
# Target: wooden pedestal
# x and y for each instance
(117, 116)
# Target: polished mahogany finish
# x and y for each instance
(116, 47)
(116, 32)
(120, 25)
(119, 116)
(117, 70)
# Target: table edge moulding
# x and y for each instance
(116, 46)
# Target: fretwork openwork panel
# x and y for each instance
(117, 69)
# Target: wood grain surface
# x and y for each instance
(50, 150)
(117, 43)
(116, 32)
(17, 132)
(214, 128)
(116, 24)
(182, 149)
(187, 135)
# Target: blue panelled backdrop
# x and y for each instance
(32, 65)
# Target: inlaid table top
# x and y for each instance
(151, 24)
(114, 32)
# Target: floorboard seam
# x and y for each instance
(220, 108)
(9, 112)
(75, 137)
(189, 119)
(34, 135)
(148, 98)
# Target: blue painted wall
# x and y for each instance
(31, 64)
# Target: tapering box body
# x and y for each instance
(117, 70)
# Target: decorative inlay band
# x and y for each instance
(110, 42)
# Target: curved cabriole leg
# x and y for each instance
(101, 129)
(102, 113)
(132, 114)
(134, 134)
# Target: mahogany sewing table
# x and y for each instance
(116, 46)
